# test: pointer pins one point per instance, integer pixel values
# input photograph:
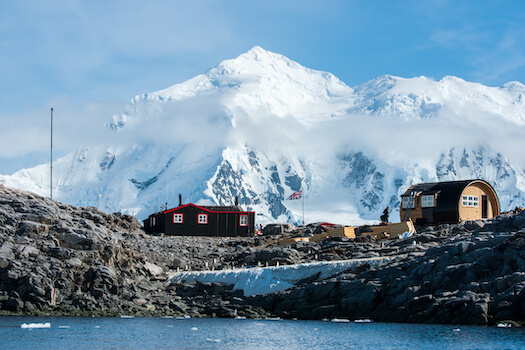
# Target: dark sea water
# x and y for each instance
(165, 333)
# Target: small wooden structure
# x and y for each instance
(342, 231)
(448, 202)
(390, 231)
(194, 220)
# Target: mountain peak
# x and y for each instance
(261, 80)
(257, 56)
(258, 51)
(514, 86)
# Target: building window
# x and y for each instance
(243, 220)
(427, 201)
(408, 202)
(178, 218)
(202, 218)
(470, 201)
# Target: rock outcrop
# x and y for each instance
(57, 259)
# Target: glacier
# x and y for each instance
(261, 126)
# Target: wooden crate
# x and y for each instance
(289, 241)
(399, 228)
(345, 231)
(379, 232)
(318, 237)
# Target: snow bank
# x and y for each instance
(264, 280)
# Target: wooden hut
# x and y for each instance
(448, 202)
(194, 220)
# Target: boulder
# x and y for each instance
(153, 270)
(7, 254)
(474, 225)
(57, 252)
(178, 263)
(27, 251)
(277, 229)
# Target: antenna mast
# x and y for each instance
(51, 163)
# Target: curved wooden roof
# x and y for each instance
(447, 208)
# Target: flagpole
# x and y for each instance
(303, 204)
(51, 161)
(297, 195)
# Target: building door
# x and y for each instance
(484, 207)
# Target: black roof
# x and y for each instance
(222, 208)
(436, 187)
(209, 208)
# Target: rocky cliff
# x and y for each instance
(57, 259)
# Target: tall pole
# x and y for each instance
(51, 162)
(302, 196)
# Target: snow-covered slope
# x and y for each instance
(265, 280)
(261, 127)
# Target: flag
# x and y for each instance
(296, 195)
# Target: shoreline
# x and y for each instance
(59, 260)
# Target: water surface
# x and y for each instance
(169, 333)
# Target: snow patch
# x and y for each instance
(265, 280)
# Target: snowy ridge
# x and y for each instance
(262, 126)
(425, 98)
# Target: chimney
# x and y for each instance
(236, 201)
(180, 199)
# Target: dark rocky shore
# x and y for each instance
(56, 259)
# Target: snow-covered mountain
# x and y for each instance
(261, 127)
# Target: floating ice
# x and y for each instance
(340, 320)
(36, 325)
(365, 320)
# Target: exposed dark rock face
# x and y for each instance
(61, 260)
(453, 275)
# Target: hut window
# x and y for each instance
(470, 201)
(427, 201)
(202, 219)
(408, 202)
(178, 218)
(243, 220)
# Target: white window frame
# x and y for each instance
(243, 220)
(407, 200)
(470, 201)
(202, 219)
(427, 201)
(178, 218)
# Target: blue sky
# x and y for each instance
(87, 59)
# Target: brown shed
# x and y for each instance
(451, 201)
